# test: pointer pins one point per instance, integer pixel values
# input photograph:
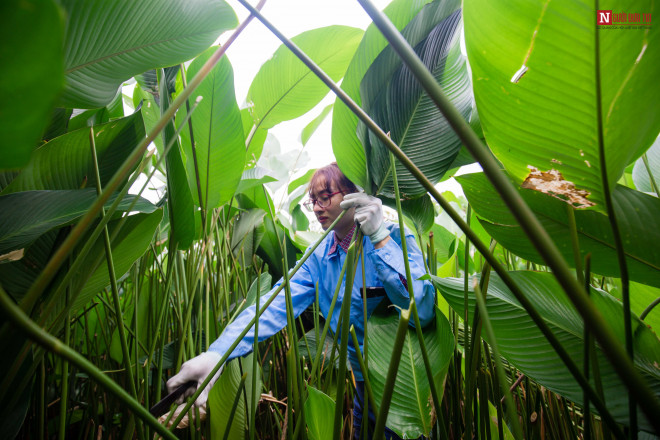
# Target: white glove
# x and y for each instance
(196, 369)
(368, 213)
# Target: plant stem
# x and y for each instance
(485, 319)
(611, 214)
(343, 348)
(113, 285)
(388, 388)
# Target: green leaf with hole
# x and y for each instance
(636, 212)
(534, 67)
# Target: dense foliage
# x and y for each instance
(547, 269)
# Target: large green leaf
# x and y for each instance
(24, 216)
(222, 396)
(522, 343)
(179, 199)
(411, 407)
(547, 118)
(637, 215)
(318, 408)
(66, 161)
(284, 88)
(218, 134)
(32, 62)
(399, 105)
(346, 146)
(130, 244)
(107, 43)
(641, 174)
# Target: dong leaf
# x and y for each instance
(66, 161)
(107, 43)
(534, 67)
(411, 408)
(180, 202)
(318, 407)
(218, 133)
(396, 101)
(345, 144)
(523, 345)
(32, 59)
(636, 212)
(284, 88)
(222, 396)
(25, 216)
(131, 242)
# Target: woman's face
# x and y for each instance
(331, 196)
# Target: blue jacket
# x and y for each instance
(384, 267)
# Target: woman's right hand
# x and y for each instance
(196, 369)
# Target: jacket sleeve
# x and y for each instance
(391, 270)
(272, 320)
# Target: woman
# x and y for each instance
(330, 193)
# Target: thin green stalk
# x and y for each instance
(113, 284)
(255, 361)
(321, 340)
(65, 382)
(654, 185)
(587, 350)
(343, 348)
(513, 417)
(469, 373)
(648, 309)
(411, 294)
(388, 389)
(252, 321)
(575, 241)
(623, 266)
(363, 367)
(54, 345)
(237, 399)
(637, 385)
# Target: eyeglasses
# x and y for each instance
(323, 201)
